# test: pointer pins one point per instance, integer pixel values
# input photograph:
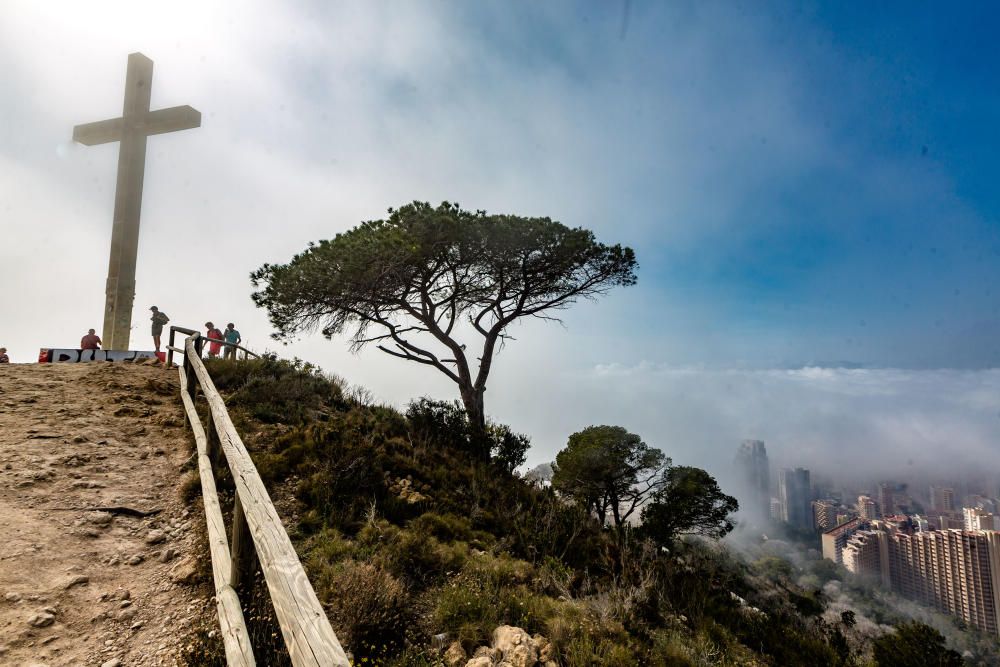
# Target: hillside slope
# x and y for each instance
(81, 586)
(424, 553)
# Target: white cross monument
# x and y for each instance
(136, 123)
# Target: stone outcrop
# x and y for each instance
(511, 647)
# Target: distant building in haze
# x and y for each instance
(751, 460)
(867, 554)
(775, 510)
(942, 498)
(824, 514)
(977, 518)
(886, 503)
(954, 571)
(835, 539)
(867, 508)
(795, 494)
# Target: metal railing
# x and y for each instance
(256, 532)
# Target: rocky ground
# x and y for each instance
(82, 585)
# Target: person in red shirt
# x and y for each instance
(213, 335)
(91, 341)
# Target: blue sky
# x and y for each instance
(804, 185)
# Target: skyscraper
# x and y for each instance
(866, 508)
(976, 518)
(954, 571)
(751, 459)
(835, 539)
(795, 494)
(942, 499)
(886, 503)
(824, 514)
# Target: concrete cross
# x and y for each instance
(136, 123)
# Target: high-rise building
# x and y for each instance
(955, 571)
(942, 499)
(795, 494)
(867, 508)
(775, 509)
(977, 518)
(751, 459)
(835, 539)
(867, 554)
(824, 514)
(886, 503)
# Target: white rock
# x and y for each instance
(516, 646)
(41, 619)
(155, 537)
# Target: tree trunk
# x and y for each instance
(616, 512)
(476, 413)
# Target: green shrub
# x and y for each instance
(445, 424)
(326, 547)
(369, 608)
(275, 390)
(448, 527)
(585, 650)
(490, 591)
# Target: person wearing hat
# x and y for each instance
(158, 319)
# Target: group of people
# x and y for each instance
(230, 335)
(91, 341)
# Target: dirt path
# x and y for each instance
(81, 587)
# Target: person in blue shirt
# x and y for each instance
(232, 336)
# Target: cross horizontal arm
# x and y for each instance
(171, 120)
(155, 122)
(101, 132)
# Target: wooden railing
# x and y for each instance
(256, 532)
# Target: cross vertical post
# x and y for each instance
(131, 130)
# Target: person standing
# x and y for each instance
(158, 319)
(4, 359)
(91, 341)
(213, 334)
(232, 336)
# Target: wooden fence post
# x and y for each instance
(170, 348)
(212, 438)
(240, 547)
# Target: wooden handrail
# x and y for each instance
(310, 640)
(235, 638)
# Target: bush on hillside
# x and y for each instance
(369, 608)
(445, 424)
(275, 390)
(406, 534)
